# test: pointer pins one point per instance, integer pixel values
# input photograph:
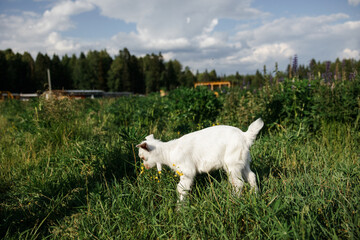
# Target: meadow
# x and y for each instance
(69, 168)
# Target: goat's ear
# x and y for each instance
(143, 146)
(150, 137)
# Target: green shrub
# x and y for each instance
(241, 108)
(190, 109)
(295, 102)
(339, 101)
(289, 103)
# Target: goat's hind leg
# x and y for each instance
(250, 178)
(236, 180)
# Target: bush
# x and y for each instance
(311, 102)
(339, 101)
(191, 109)
(289, 103)
(241, 108)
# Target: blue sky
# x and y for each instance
(225, 35)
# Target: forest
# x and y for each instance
(151, 73)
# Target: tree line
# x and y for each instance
(126, 72)
(93, 70)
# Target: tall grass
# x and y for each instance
(69, 169)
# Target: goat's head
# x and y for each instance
(145, 152)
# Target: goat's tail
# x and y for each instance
(253, 130)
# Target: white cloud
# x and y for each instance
(175, 19)
(58, 45)
(211, 26)
(187, 30)
(322, 38)
(34, 32)
(58, 18)
(168, 56)
(291, 29)
(349, 53)
(263, 53)
(168, 44)
(176, 27)
(354, 2)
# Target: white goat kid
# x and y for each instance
(203, 151)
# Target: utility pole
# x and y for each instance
(48, 95)
(49, 79)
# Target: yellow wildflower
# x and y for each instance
(142, 169)
(156, 178)
(179, 173)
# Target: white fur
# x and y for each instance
(203, 151)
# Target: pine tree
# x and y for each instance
(81, 73)
(137, 78)
(153, 67)
(4, 82)
(57, 73)
(29, 68)
(42, 63)
(99, 65)
(213, 76)
(68, 68)
(187, 78)
(119, 78)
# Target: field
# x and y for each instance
(69, 168)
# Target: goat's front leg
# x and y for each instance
(184, 186)
(158, 166)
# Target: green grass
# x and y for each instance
(69, 169)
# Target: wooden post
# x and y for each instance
(49, 79)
